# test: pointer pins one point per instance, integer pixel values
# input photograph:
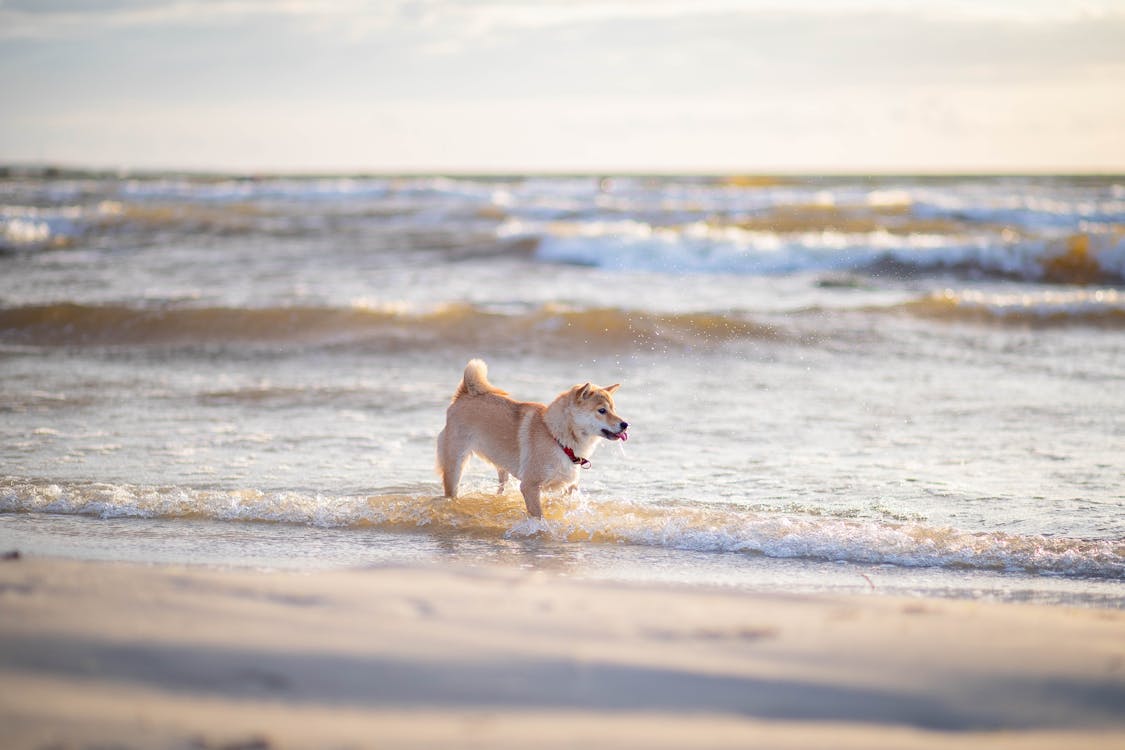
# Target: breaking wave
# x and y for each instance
(752, 249)
(1063, 230)
(576, 519)
(24, 228)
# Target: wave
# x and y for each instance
(30, 228)
(115, 212)
(393, 328)
(1063, 230)
(1100, 308)
(1026, 205)
(396, 328)
(576, 519)
(912, 248)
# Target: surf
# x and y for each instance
(579, 519)
(392, 326)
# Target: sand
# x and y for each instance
(134, 656)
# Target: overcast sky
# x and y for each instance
(565, 85)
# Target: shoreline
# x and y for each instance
(600, 539)
(178, 656)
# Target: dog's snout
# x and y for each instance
(624, 425)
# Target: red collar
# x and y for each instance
(573, 458)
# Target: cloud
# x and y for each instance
(469, 48)
(485, 82)
(52, 18)
(78, 18)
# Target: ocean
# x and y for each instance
(908, 385)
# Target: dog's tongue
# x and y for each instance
(623, 435)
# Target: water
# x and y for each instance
(895, 384)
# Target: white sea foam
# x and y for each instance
(22, 232)
(699, 247)
(686, 526)
(1076, 303)
(32, 227)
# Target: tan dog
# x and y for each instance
(541, 445)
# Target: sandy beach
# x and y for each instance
(112, 654)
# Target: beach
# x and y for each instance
(127, 655)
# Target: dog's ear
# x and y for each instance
(611, 388)
(581, 392)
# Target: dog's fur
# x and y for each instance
(524, 439)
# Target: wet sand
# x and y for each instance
(100, 654)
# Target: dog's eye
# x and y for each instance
(601, 410)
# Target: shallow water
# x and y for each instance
(915, 380)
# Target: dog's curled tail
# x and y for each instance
(475, 380)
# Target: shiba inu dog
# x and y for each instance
(542, 445)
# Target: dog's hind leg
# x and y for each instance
(451, 462)
(502, 476)
(451, 474)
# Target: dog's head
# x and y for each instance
(592, 412)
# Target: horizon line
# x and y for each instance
(47, 168)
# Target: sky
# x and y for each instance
(727, 86)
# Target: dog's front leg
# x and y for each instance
(530, 492)
(502, 476)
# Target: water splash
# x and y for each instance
(716, 527)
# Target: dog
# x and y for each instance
(542, 445)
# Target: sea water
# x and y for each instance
(898, 384)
